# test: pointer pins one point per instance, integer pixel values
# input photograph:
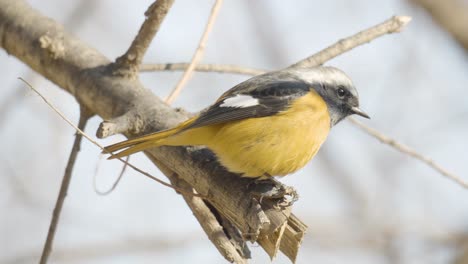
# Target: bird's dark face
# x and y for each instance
(336, 89)
(342, 100)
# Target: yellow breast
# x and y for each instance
(275, 145)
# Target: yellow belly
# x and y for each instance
(276, 145)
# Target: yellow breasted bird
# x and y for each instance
(269, 125)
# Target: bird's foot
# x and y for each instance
(273, 191)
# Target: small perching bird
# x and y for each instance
(269, 125)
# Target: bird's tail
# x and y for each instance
(144, 142)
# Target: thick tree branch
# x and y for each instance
(79, 13)
(129, 62)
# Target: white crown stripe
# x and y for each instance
(240, 100)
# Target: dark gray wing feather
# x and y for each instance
(273, 97)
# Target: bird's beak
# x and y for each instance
(356, 110)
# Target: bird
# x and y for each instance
(270, 125)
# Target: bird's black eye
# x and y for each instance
(341, 92)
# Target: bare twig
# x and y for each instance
(409, 151)
(198, 53)
(116, 182)
(128, 63)
(392, 25)
(221, 68)
(84, 116)
(81, 132)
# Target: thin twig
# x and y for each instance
(102, 147)
(409, 151)
(134, 55)
(116, 182)
(198, 53)
(392, 25)
(221, 68)
(63, 189)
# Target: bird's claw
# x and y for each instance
(280, 195)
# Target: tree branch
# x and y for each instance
(410, 152)
(128, 63)
(205, 217)
(125, 103)
(221, 68)
(392, 25)
(84, 116)
(198, 53)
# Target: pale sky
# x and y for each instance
(412, 84)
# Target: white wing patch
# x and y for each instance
(240, 101)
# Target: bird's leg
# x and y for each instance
(267, 187)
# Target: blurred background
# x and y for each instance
(363, 201)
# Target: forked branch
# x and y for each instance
(128, 63)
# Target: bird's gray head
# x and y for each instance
(337, 90)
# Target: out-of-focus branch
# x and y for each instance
(84, 116)
(221, 68)
(327, 236)
(452, 15)
(198, 53)
(128, 63)
(94, 251)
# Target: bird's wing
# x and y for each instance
(251, 100)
